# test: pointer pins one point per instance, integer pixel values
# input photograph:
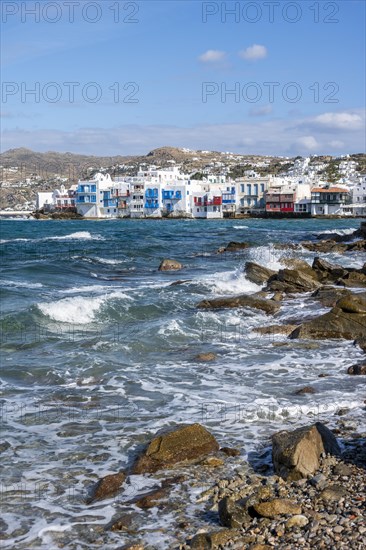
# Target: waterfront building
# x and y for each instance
(327, 201)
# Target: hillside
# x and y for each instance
(25, 172)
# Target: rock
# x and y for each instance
(276, 329)
(229, 451)
(333, 492)
(357, 369)
(362, 343)
(180, 282)
(296, 454)
(216, 539)
(181, 444)
(329, 245)
(353, 280)
(337, 323)
(212, 462)
(329, 296)
(294, 263)
(257, 273)
(151, 499)
(170, 265)
(233, 514)
(327, 271)
(243, 300)
(234, 246)
(306, 389)
(297, 521)
(278, 296)
(319, 481)
(353, 303)
(294, 281)
(124, 522)
(205, 357)
(277, 507)
(342, 469)
(107, 487)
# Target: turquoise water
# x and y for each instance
(98, 353)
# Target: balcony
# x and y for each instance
(152, 204)
(151, 193)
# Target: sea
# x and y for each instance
(99, 352)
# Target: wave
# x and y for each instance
(79, 310)
(240, 226)
(348, 231)
(78, 235)
(6, 283)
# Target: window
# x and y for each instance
(262, 187)
(242, 188)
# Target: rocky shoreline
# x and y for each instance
(312, 493)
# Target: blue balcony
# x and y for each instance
(152, 204)
(151, 193)
(86, 199)
(168, 195)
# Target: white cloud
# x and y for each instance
(342, 121)
(254, 52)
(212, 56)
(307, 142)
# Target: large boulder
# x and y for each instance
(257, 273)
(170, 265)
(185, 443)
(328, 296)
(354, 279)
(243, 300)
(296, 454)
(346, 320)
(327, 271)
(294, 281)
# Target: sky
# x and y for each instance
(124, 77)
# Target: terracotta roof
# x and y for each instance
(330, 190)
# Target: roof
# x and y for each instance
(329, 190)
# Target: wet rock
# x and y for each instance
(328, 296)
(107, 487)
(327, 271)
(357, 369)
(212, 462)
(243, 300)
(277, 296)
(277, 507)
(132, 547)
(362, 343)
(306, 389)
(230, 451)
(205, 357)
(342, 469)
(216, 539)
(297, 521)
(151, 499)
(257, 273)
(294, 263)
(180, 282)
(124, 522)
(333, 492)
(294, 281)
(328, 245)
(353, 280)
(296, 454)
(343, 321)
(354, 303)
(276, 329)
(233, 514)
(181, 444)
(234, 246)
(4, 446)
(170, 265)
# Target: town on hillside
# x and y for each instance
(171, 182)
(168, 192)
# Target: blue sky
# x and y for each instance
(146, 74)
